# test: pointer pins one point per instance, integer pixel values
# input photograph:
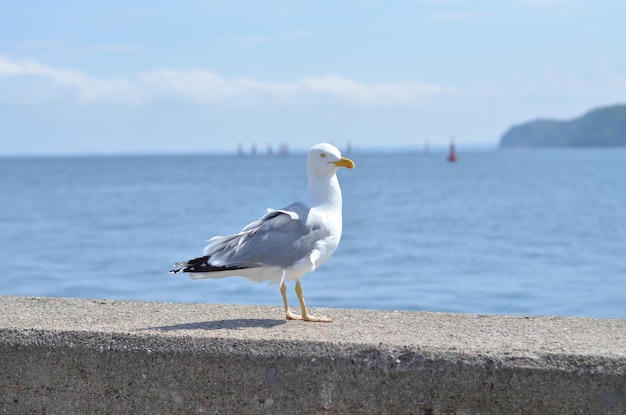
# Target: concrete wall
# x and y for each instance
(99, 357)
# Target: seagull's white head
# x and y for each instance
(324, 160)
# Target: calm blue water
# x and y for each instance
(529, 232)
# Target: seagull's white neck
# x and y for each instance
(324, 190)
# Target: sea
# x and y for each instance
(527, 232)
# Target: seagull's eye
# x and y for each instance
(322, 155)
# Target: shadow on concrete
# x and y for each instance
(233, 324)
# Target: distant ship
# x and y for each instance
(284, 150)
(452, 157)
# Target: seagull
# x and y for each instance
(284, 244)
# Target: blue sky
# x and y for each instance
(202, 76)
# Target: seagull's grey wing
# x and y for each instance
(279, 239)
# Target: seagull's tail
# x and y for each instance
(201, 268)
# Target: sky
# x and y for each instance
(157, 76)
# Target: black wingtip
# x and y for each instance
(201, 264)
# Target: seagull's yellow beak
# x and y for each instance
(344, 162)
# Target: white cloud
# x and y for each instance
(24, 82)
(206, 87)
(202, 87)
(88, 89)
(381, 94)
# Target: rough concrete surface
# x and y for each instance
(112, 357)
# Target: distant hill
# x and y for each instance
(602, 127)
